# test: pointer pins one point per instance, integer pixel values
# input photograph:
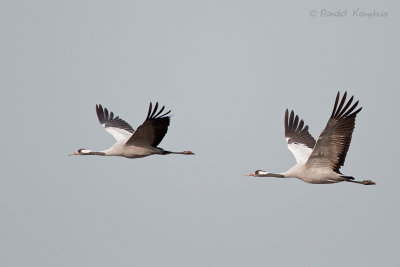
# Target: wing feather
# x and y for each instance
(334, 142)
(117, 127)
(153, 129)
(300, 141)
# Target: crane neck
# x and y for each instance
(90, 152)
(277, 175)
(271, 174)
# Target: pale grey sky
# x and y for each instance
(227, 70)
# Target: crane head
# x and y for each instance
(257, 173)
(79, 152)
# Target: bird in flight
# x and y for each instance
(132, 143)
(319, 162)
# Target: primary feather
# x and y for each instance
(300, 141)
(153, 129)
(334, 141)
(117, 127)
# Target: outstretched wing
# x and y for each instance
(117, 127)
(333, 143)
(300, 142)
(153, 129)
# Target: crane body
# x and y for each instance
(131, 143)
(319, 162)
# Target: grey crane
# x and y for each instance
(319, 162)
(132, 143)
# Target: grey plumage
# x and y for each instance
(130, 143)
(319, 162)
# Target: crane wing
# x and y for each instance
(116, 126)
(333, 143)
(300, 142)
(153, 129)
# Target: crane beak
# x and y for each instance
(249, 174)
(73, 153)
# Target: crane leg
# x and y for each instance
(365, 182)
(351, 180)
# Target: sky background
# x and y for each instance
(227, 70)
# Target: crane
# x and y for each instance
(318, 162)
(132, 143)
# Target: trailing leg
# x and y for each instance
(351, 180)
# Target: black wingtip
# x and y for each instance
(343, 110)
(106, 114)
(154, 110)
(161, 110)
(154, 113)
(99, 108)
(150, 108)
(286, 120)
(341, 103)
(336, 103)
(99, 112)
